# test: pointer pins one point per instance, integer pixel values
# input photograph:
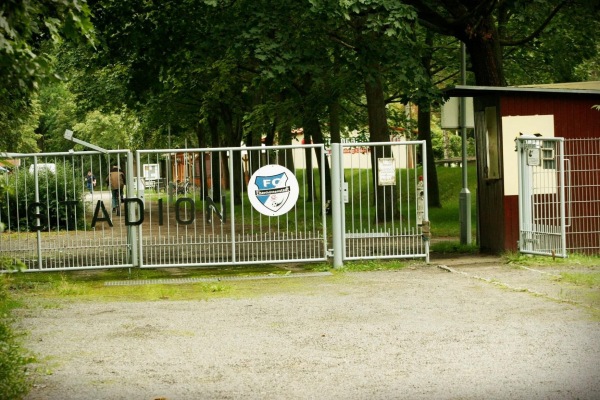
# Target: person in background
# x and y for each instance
(116, 182)
(90, 182)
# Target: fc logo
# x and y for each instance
(273, 190)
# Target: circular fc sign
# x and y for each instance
(273, 190)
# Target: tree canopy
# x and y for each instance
(215, 72)
(30, 31)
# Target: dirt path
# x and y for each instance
(470, 330)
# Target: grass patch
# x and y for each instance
(45, 289)
(445, 220)
(14, 359)
(372, 265)
(515, 258)
(591, 280)
(454, 248)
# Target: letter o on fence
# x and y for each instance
(192, 214)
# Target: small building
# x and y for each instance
(558, 110)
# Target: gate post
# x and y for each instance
(337, 205)
(138, 244)
(131, 229)
(37, 211)
(562, 184)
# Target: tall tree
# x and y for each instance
(29, 30)
(485, 26)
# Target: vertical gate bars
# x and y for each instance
(542, 221)
(582, 157)
(380, 223)
(220, 228)
(49, 216)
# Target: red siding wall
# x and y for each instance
(574, 117)
(511, 222)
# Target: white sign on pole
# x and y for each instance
(451, 113)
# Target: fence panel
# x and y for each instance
(53, 220)
(197, 211)
(385, 200)
(582, 157)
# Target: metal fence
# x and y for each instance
(192, 207)
(559, 196)
(582, 162)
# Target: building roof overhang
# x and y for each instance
(591, 88)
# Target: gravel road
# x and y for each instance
(419, 333)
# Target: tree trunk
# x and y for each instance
(334, 121)
(485, 53)
(286, 157)
(424, 126)
(215, 163)
(308, 181)
(254, 156)
(233, 139)
(379, 132)
(313, 127)
(201, 134)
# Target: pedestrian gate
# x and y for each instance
(542, 218)
(390, 219)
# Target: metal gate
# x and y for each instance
(53, 220)
(542, 218)
(381, 192)
(192, 207)
(200, 212)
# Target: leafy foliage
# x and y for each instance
(58, 113)
(542, 39)
(110, 130)
(18, 120)
(29, 34)
(556, 54)
(14, 381)
(26, 25)
(54, 190)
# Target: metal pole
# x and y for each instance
(231, 203)
(132, 230)
(139, 254)
(465, 194)
(336, 205)
(425, 197)
(38, 221)
(563, 221)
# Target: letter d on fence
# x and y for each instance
(129, 214)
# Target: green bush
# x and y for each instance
(14, 381)
(18, 194)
